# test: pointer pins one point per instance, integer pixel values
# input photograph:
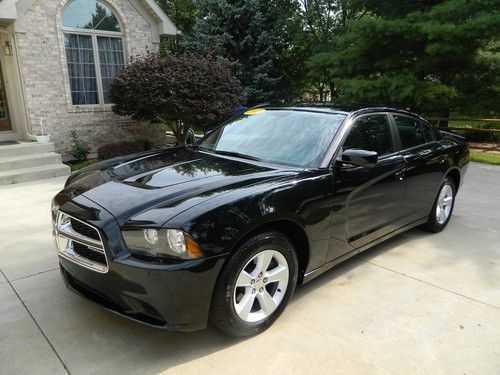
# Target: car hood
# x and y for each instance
(130, 185)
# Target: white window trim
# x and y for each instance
(97, 63)
(101, 106)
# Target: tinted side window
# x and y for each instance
(413, 132)
(429, 132)
(370, 133)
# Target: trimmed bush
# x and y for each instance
(178, 91)
(112, 150)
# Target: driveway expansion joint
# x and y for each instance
(34, 320)
(430, 284)
(34, 274)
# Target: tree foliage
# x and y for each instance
(183, 14)
(254, 35)
(424, 55)
(179, 91)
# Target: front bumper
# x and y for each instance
(173, 299)
(174, 295)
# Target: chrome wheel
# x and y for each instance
(261, 286)
(444, 204)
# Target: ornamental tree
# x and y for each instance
(178, 91)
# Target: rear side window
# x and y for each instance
(371, 133)
(413, 132)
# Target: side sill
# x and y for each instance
(325, 267)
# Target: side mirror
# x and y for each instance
(360, 158)
(191, 138)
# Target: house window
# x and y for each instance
(93, 41)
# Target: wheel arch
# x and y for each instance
(292, 230)
(454, 174)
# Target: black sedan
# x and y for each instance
(225, 229)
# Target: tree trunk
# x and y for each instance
(320, 89)
(181, 142)
(444, 118)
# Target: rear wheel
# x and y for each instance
(443, 207)
(255, 285)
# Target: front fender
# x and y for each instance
(219, 229)
(219, 224)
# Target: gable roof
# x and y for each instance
(155, 15)
(165, 25)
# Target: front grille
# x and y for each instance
(80, 242)
(84, 229)
(86, 252)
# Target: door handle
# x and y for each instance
(424, 153)
(442, 159)
(399, 175)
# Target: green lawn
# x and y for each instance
(485, 157)
(473, 124)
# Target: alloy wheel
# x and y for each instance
(261, 286)
(444, 204)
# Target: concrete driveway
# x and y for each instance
(419, 303)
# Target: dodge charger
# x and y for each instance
(223, 230)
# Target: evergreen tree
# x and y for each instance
(256, 36)
(322, 21)
(183, 14)
(423, 55)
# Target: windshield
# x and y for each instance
(295, 138)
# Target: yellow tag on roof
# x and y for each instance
(254, 111)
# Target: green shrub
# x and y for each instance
(178, 91)
(78, 149)
(479, 136)
(112, 150)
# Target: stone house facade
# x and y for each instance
(57, 59)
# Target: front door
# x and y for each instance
(5, 124)
(368, 199)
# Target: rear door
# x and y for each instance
(424, 170)
(367, 199)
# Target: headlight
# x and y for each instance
(164, 243)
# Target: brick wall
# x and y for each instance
(44, 72)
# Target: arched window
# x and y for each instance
(93, 40)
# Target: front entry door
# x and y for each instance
(368, 199)
(5, 124)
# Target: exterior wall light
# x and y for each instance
(7, 49)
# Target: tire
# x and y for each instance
(240, 303)
(445, 200)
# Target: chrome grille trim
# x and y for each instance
(65, 236)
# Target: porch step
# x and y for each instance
(25, 148)
(34, 173)
(29, 160)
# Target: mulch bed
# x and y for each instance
(493, 148)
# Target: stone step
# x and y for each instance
(25, 148)
(29, 160)
(34, 173)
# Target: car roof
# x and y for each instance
(340, 109)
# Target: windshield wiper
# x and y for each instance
(224, 152)
(236, 154)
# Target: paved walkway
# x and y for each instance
(420, 303)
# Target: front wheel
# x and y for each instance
(443, 207)
(255, 285)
